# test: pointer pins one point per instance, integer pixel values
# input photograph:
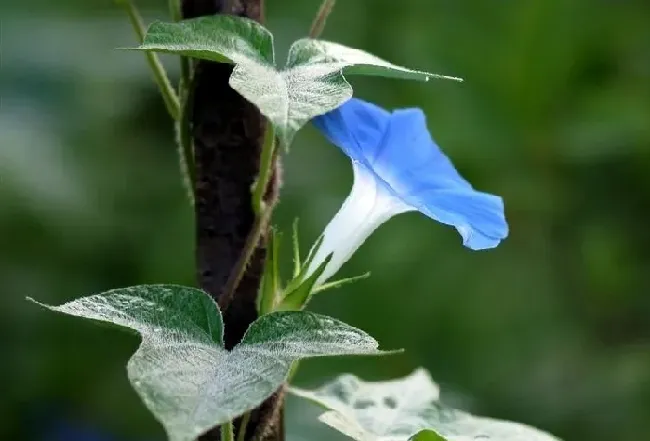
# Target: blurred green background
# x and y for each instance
(551, 329)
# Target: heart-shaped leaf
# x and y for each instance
(406, 409)
(310, 84)
(182, 371)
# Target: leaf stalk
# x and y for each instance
(227, 432)
(318, 25)
(241, 434)
(266, 169)
(169, 95)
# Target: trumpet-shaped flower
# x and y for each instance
(398, 168)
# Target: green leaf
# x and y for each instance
(182, 371)
(311, 83)
(220, 38)
(406, 409)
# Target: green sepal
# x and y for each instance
(270, 283)
(296, 249)
(299, 295)
(339, 283)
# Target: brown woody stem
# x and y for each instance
(228, 134)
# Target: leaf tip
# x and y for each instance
(42, 305)
(392, 352)
(457, 79)
(444, 77)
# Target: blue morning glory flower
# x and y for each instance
(398, 168)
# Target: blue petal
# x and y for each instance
(398, 150)
(409, 155)
(354, 126)
(415, 167)
(478, 217)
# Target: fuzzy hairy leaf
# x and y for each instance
(221, 38)
(182, 371)
(406, 409)
(310, 84)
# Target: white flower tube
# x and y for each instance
(369, 205)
